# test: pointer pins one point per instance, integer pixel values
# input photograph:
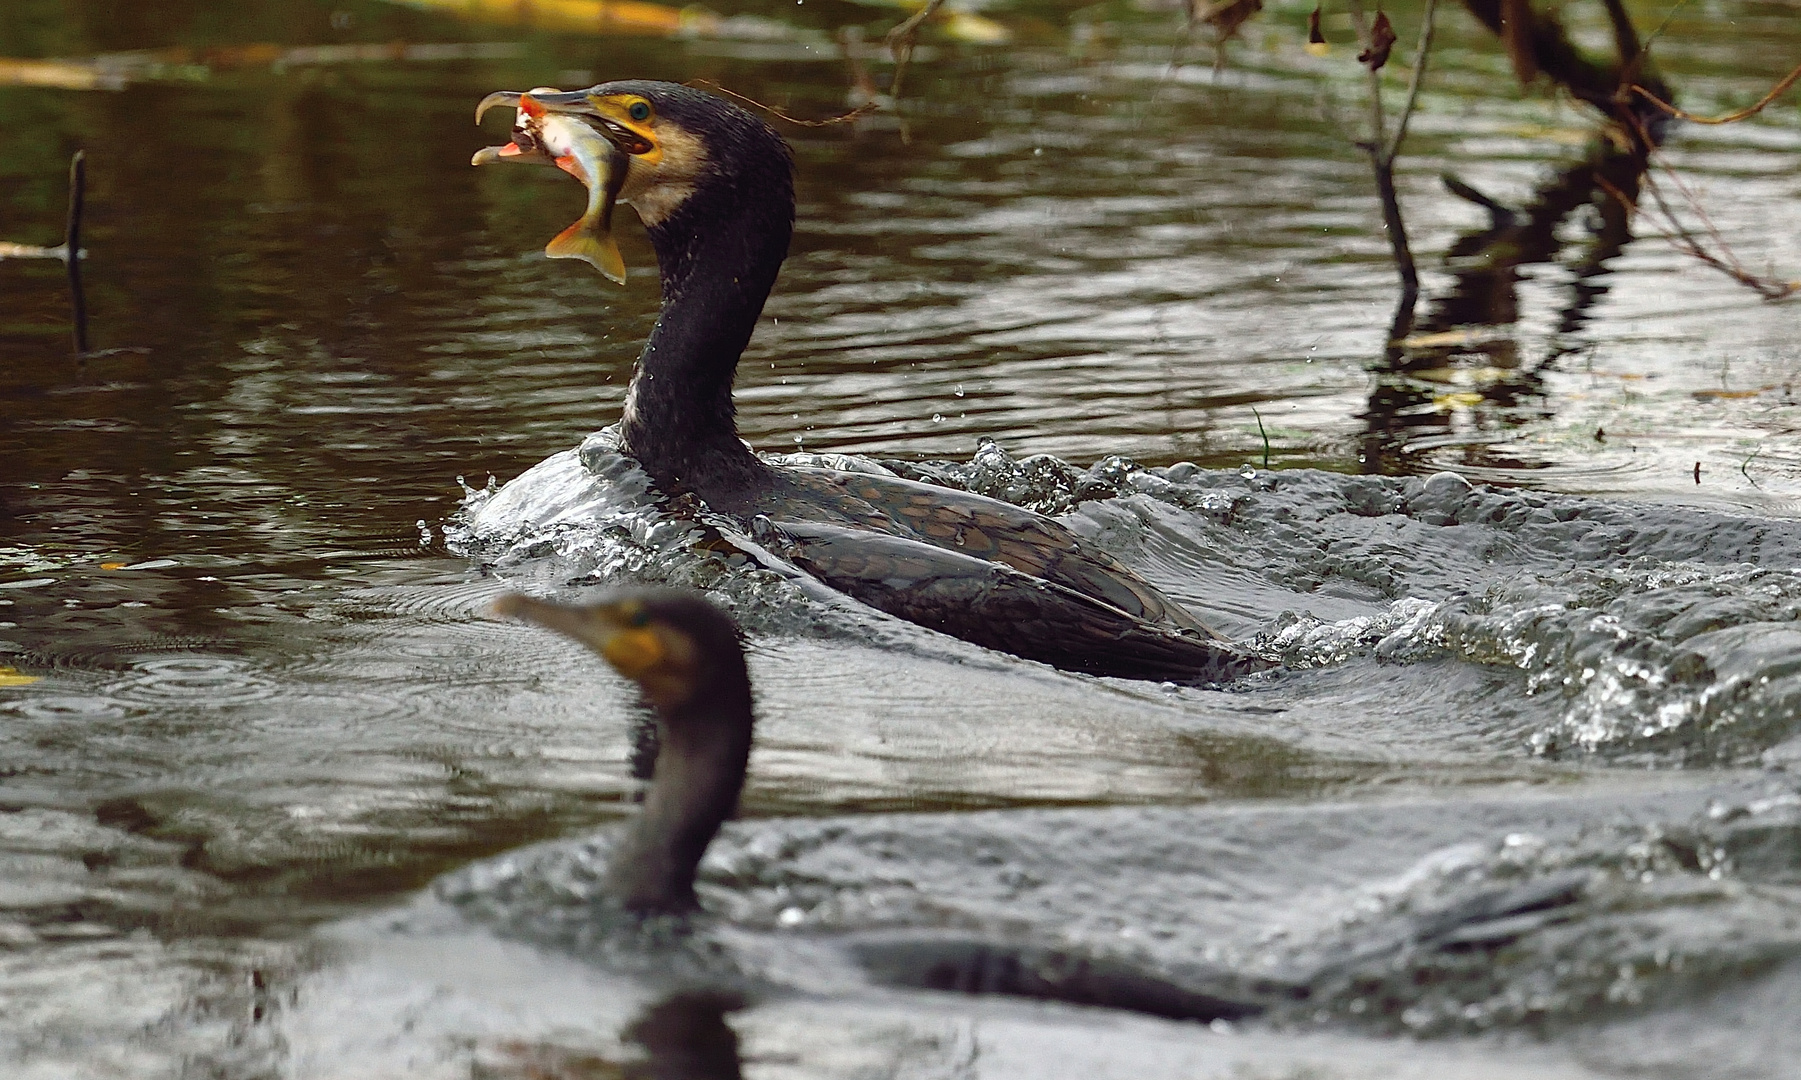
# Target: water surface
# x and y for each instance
(268, 707)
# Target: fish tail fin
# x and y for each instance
(596, 248)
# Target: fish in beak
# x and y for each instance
(551, 127)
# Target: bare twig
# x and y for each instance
(1730, 118)
(1683, 239)
(1413, 83)
(844, 118)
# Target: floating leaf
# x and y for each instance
(596, 17)
(29, 251)
(11, 676)
(1457, 399)
(1459, 337)
(1729, 395)
(973, 28)
(59, 74)
(1382, 42)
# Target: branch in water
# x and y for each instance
(1383, 149)
(78, 182)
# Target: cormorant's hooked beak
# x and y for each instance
(498, 97)
(543, 101)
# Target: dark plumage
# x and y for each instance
(686, 656)
(716, 194)
(684, 653)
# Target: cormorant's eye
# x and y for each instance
(638, 617)
(640, 111)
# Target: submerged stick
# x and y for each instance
(78, 174)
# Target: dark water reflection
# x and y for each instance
(265, 695)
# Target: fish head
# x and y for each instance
(531, 144)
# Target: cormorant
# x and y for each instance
(714, 188)
(685, 655)
(687, 658)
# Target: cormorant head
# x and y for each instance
(675, 645)
(685, 654)
(690, 154)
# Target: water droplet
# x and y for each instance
(791, 916)
(959, 390)
(937, 418)
(1247, 472)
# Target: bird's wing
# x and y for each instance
(998, 607)
(994, 531)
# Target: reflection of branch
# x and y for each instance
(1684, 240)
(1681, 237)
(900, 42)
(1729, 118)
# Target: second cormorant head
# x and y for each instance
(685, 655)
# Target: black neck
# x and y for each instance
(704, 749)
(718, 254)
